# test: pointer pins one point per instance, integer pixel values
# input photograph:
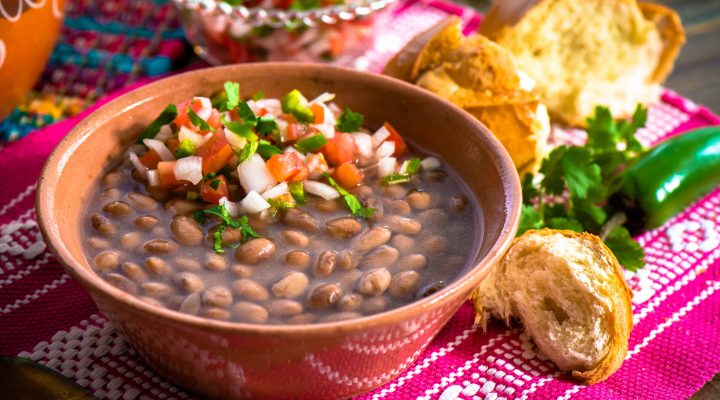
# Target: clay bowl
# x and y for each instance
(328, 360)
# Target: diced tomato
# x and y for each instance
(150, 159)
(318, 112)
(348, 175)
(316, 163)
(340, 148)
(211, 195)
(400, 146)
(215, 153)
(261, 112)
(291, 133)
(173, 144)
(287, 166)
(166, 175)
(215, 120)
(182, 118)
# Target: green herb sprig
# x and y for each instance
(349, 121)
(352, 202)
(226, 220)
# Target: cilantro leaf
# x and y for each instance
(565, 223)
(267, 150)
(240, 130)
(217, 239)
(551, 168)
(529, 191)
(226, 220)
(167, 116)
(530, 218)
(246, 114)
(266, 125)
(352, 202)
(297, 191)
(198, 122)
(232, 91)
(349, 121)
(407, 170)
(628, 252)
(579, 172)
(215, 184)
(247, 151)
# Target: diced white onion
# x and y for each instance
(196, 139)
(231, 207)
(273, 106)
(430, 163)
(363, 141)
(380, 135)
(386, 149)
(253, 203)
(326, 129)
(386, 166)
(327, 192)
(162, 151)
(254, 175)
(328, 116)
(324, 98)
(205, 110)
(253, 106)
(142, 169)
(282, 127)
(164, 134)
(276, 191)
(189, 169)
(236, 142)
(153, 177)
(291, 149)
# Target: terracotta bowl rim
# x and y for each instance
(92, 282)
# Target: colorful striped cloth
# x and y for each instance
(674, 346)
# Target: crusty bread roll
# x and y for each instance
(481, 77)
(568, 290)
(584, 53)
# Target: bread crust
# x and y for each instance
(620, 319)
(672, 34)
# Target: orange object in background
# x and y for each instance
(28, 31)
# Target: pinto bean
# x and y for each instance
(130, 240)
(182, 206)
(118, 209)
(459, 202)
(216, 313)
(399, 207)
(142, 202)
(215, 262)
(151, 301)
(290, 285)
(158, 193)
(420, 200)
(187, 264)
(373, 202)
(161, 246)
(191, 304)
(350, 302)
(405, 284)
(106, 261)
(295, 238)
(343, 227)
(284, 308)
(255, 251)
(374, 282)
(158, 266)
(217, 296)
(295, 218)
(434, 245)
(189, 282)
(432, 217)
(405, 226)
(98, 244)
(374, 305)
(112, 179)
(347, 260)
(103, 225)
(396, 192)
(325, 295)
(375, 237)
(403, 243)
(250, 289)
(349, 279)
(411, 262)
(110, 194)
(341, 316)
(146, 222)
(241, 270)
(381, 257)
(123, 283)
(246, 311)
(325, 264)
(134, 272)
(297, 259)
(363, 192)
(229, 235)
(301, 319)
(326, 206)
(156, 289)
(187, 231)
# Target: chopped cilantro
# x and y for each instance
(352, 202)
(258, 95)
(297, 191)
(295, 103)
(407, 170)
(246, 113)
(279, 204)
(628, 252)
(267, 150)
(215, 184)
(311, 144)
(226, 220)
(349, 121)
(167, 116)
(266, 125)
(186, 148)
(232, 91)
(240, 130)
(198, 122)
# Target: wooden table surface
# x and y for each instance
(697, 70)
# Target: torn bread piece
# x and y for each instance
(568, 291)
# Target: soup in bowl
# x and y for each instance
(251, 228)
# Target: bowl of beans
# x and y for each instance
(279, 230)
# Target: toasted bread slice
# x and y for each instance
(568, 290)
(584, 53)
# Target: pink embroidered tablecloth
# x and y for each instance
(674, 347)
